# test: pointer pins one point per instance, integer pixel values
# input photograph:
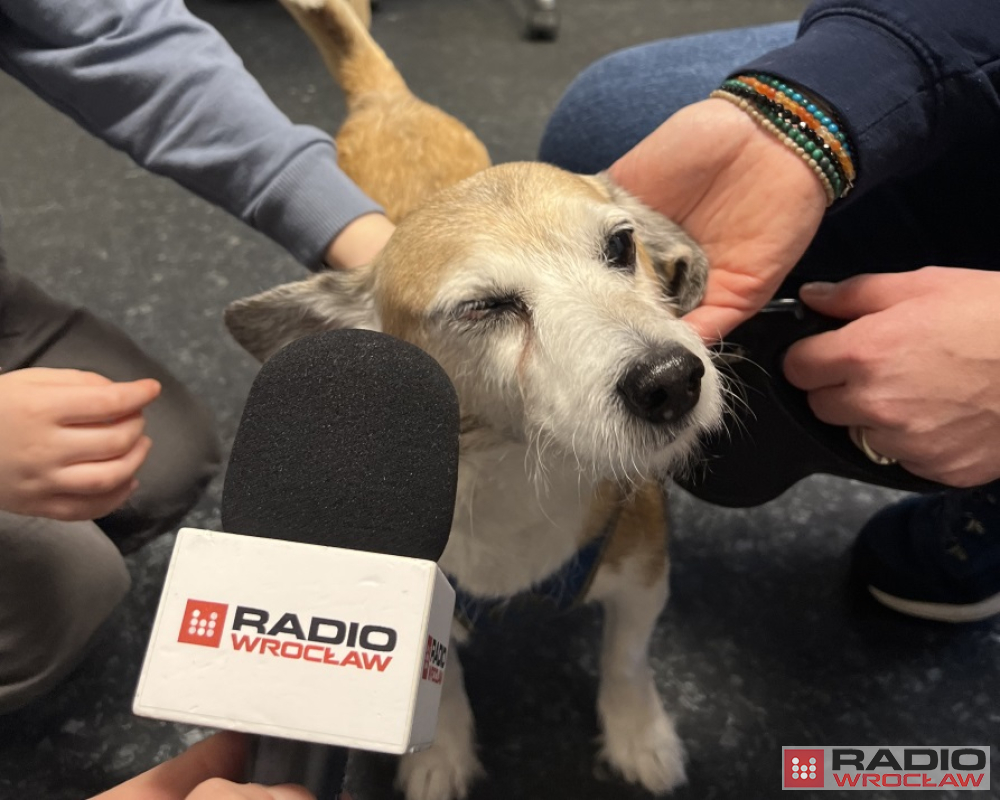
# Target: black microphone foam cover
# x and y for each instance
(348, 439)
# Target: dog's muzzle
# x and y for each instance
(663, 387)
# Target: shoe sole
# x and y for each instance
(940, 612)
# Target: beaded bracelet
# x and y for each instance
(806, 134)
(802, 135)
(801, 122)
(825, 115)
(746, 106)
(808, 112)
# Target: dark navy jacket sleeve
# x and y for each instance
(909, 78)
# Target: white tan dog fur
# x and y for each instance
(552, 301)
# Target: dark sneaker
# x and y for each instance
(935, 556)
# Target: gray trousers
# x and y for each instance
(59, 581)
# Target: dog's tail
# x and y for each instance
(351, 54)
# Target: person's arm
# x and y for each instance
(149, 78)
(915, 368)
(909, 79)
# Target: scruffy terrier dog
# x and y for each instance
(552, 300)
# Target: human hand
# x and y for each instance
(359, 242)
(918, 368)
(206, 771)
(746, 198)
(71, 442)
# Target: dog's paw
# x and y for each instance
(437, 773)
(644, 747)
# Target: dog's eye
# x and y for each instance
(619, 251)
(491, 308)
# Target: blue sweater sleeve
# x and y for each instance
(149, 78)
(911, 79)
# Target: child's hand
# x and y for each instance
(70, 442)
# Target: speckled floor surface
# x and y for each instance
(764, 644)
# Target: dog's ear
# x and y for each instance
(679, 262)
(266, 322)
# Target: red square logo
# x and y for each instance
(203, 623)
(803, 769)
(427, 657)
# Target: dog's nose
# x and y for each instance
(665, 387)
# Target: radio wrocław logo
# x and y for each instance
(203, 623)
(937, 768)
(435, 658)
(333, 642)
(803, 768)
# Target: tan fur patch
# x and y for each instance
(641, 533)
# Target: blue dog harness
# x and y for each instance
(560, 592)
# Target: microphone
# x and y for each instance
(321, 615)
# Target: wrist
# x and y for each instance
(359, 242)
(801, 122)
(799, 183)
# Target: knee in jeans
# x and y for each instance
(601, 115)
(569, 139)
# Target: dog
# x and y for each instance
(396, 147)
(553, 302)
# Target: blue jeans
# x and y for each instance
(943, 216)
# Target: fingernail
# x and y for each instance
(816, 288)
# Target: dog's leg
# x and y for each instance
(448, 767)
(639, 738)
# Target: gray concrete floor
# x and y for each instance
(764, 644)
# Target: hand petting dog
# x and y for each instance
(751, 204)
